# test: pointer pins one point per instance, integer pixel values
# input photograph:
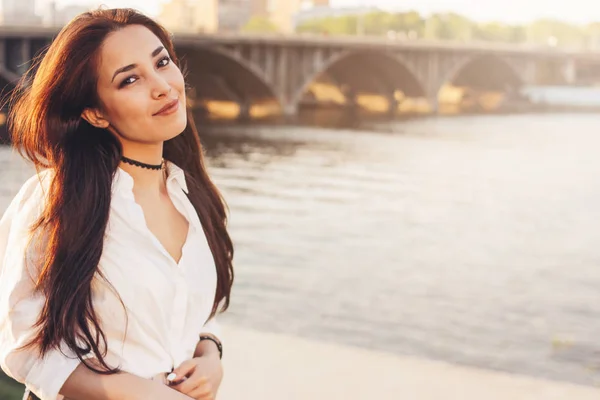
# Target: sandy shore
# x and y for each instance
(268, 366)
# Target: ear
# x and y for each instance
(95, 118)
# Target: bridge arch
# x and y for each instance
(484, 72)
(369, 71)
(216, 74)
(475, 76)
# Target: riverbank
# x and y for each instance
(267, 366)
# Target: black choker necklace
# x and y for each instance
(141, 164)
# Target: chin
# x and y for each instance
(175, 128)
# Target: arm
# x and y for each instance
(20, 305)
(84, 384)
(206, 347)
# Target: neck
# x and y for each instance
(145, 180)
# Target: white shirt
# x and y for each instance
(167, 303)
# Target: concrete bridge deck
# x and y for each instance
(372, 42)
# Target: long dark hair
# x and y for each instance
(47, 128)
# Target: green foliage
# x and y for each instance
(333, 25)
(259, 24)
(496, 32)
(565, 34)
(449, 26)
(452, 26)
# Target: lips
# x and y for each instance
(168, 108)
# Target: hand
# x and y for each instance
(200, 377)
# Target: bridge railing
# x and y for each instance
(7, 31)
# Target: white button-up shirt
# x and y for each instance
(167, 303)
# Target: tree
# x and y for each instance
(452, 26)
(498, 32)
(565, 35)
(259, 24)
(344, 25)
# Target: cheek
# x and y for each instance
(176, 80)
(127, 112)
(127, 105)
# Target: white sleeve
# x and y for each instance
(20, 305)
(213, 327)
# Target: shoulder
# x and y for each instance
(20, 216)
(30, 200)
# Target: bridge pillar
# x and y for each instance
(289, 110)
(351, 96)
(529, 74)
(3, 53)
(393, 103)
(25, 56)
(245, 107)
(434, 103)
(570, 71)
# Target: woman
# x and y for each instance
(115, 258)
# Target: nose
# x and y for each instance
(160, 88)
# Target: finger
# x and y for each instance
(192, 383)
(173, 380)
(201, 394)
(185, 369)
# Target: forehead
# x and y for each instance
(130, 45)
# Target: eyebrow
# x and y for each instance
(132, 66)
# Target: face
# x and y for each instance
(141, 90)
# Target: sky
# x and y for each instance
(577, 11)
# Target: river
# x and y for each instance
(470, 239)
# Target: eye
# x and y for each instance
(163, 62)
(128, 81)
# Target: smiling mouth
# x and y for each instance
(168, 108)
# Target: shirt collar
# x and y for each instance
(123, 182)
(177, 174)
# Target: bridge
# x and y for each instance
(252, 69)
